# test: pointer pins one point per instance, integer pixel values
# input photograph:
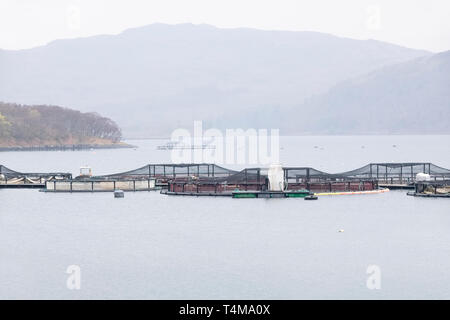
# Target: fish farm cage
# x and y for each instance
(319, 181)
(92, 185)
(15, 179)
(401, 173)
(204, 178)
(367, 178)
(256, 179)
(165, 172)
(251, 179)
(146, 178)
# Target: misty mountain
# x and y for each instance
(153, 79)
(411, 97)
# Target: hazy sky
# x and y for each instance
(423, 24)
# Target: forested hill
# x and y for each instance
(37, 125)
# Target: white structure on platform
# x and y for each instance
(86, 171)
(422, 177)
(276, 177)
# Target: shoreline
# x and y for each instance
(67, 147)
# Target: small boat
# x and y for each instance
(311, 197)
(119, 193)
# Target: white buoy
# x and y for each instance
(423, 177)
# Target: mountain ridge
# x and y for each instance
(144, 76)
(419, 86)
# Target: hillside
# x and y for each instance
(154, 79)
(411, 97)
(38, 125)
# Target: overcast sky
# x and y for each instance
(423, 24)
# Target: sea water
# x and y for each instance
(153, 246)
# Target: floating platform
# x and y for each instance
(196, 194)
(396, 186)
(345, 193)
(22, 186)
(271, 194)
(429, 195)
(431, 189)
(243, 194)
(92, 185)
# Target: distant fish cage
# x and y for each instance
(172, 145)
(73, 147)
(90, 185)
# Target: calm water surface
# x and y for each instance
(152, 246)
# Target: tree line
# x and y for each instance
(43, 123)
